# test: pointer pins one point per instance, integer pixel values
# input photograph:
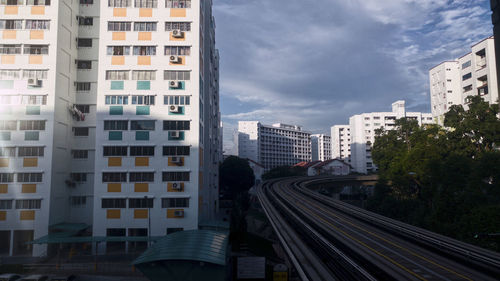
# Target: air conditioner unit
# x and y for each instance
(174, 134)
(177, 186)
(174, 59)
(176, 160)
(179, 213)
(176, 33)
(173, 108)
(174, 84)
(34, 82)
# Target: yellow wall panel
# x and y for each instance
(35, 59)
(114, 161)
(30, 162)
(113, 214)
(176, 12)
(117, 60)
(170, 163)
(119, 12)
(36, 34)
(8, 59)
(141, 161)
(9, 34)
(144, 60)
(3, 215)
(114, 187)
(145, 12)
(4, 188)
(170, 187)
(172, 38)
(28, 188)
(118, 36)
(27, 215)
(144, 36)
(4, 162)
(182, 60)
(171, 213)
(11, 10)
(140, 213)
(38, 10)
(141, 187)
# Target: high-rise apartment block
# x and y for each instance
(275, 145)
(321, 147)
(341, 142)
(474, 74)
(109, 117)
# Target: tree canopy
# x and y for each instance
(235, 176)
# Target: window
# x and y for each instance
(84, 42)
(37, 24)
(142, 151)
(175, 125)
(114, 151)
(31, 151)
(146, 3)
(84, 64)
(117, 74)
(32, 125)
(467, 88)
(84, 108)
(11, 2)
(171, 230)
(182, 26)
(142, 177)
(119, 26)
(144, 75)
(79, 154)
(146, 125)
(78, 200)
(6, 177)
(177, 3)
(115, 125)
(86, 21)
(145, 26)
(176, 75)
(140, 202)
(113, 203)
(119, 3)
(28, 204)
(147, 100)
(10, 49)
(175, 176)
(8, 125)
(11, 24)
(82, 86)
(36, 74)
(7, 151)
(114, 177)
(78, 177)
(38, 2)
(175, 202)
(116, 100)
(34, 100)
(118, 50)
(177, 50)
(466, 76)
(9, 74)
(81, 132)
(144, 51)
(36, 49)
(6, 204)
(176, 100)
(29, 177)
(176, 150)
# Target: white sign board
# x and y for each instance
(251, 268)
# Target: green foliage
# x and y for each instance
(284, 171)
(235, 176)
(446, 180)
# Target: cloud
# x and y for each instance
(315, 63)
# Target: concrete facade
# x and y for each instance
(341, 142)
(321, 147)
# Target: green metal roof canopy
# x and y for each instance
(193, 245)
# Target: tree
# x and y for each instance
(284, 171)
(235, 176)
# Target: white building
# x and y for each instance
(363, 126)
(275, 145)
(109, 114)
(473, 74)
(321, 147)
(341, 142)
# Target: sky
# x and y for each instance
(315, 63)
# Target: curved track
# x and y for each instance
(327, 239)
